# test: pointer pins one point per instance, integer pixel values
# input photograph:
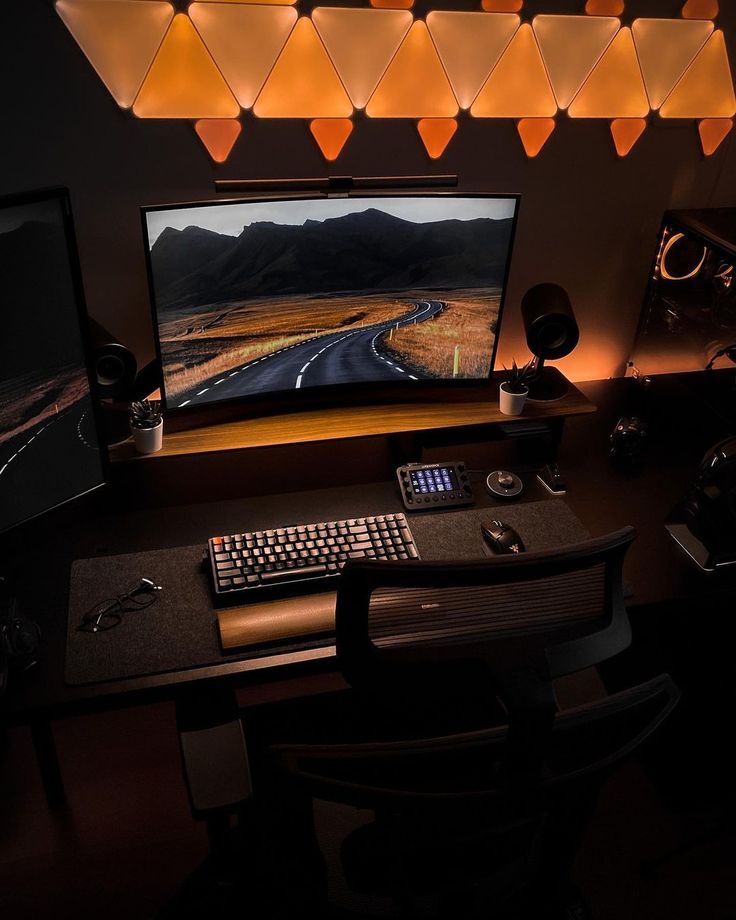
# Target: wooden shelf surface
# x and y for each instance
(349, 422)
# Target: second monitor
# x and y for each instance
(259, 298)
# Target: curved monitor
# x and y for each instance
(49, 446)
(299, 296)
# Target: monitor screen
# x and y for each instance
(254, 298)
(49, 450)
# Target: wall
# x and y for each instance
(588, 220)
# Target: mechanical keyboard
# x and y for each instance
(302, 558)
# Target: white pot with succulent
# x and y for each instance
(147, 425)
(514, 390)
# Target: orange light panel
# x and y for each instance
(361, 43)
(518, 86)
(331, 134)
(700, 9)
(218, 135)
(604, 7)
(244, 42)
(258, 2)
(571, 46)
(303, 82)
(392, 4)
(615, 89)
(183, 81)
(436, 134)
(119, 38)
(415, 84)
(534, 133)
(502, 6)
(626, 132)
(713, 132)
(706, 89)
(469, 46)
(666, 48)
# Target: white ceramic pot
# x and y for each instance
(511, 403)
(148, 440)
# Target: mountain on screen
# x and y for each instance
(367, 250)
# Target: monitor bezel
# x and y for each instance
(61, 194)
(323, 396)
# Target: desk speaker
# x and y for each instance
(551, 333)
(114, 365)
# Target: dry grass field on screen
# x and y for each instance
(217, 339)
(469, 321)
(30, 400)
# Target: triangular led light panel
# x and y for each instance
(469, 46)
(706, 88)
(615, 89)
(604, 7)
(571, 46)
(303, 82)
(218, 136)
(436, 134)
(119, 37)
(713, 132)
(392, 4)
(518, 86)
(183, 81)
(534, 133)
(700, 9)
(415, 84)
(244, 41)
(502, 6)
(666, 48)
(361, 43)
(626, 132)
(331, 135)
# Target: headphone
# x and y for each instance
(710, 507)
(20, 638)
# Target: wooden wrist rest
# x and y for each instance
(270, 621)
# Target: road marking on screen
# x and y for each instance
(412, 377)
(298, 381)
(185, 403)
(202, 392)
(219, 381)
(234, 373)
(304, 368)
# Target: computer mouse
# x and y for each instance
(501, 538)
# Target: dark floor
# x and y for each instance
(126, 841)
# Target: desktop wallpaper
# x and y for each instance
(48, 446)
(271, 296)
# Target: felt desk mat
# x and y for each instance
(179, 630)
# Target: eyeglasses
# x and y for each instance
(109, 612)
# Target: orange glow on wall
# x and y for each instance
(253, 2)
(666, 48)
(502, 6)
(436, 134)
(713, 132)
(518, 86)
(615, 89)
(218, 136)
(244, 42)
(534, 134)
(706, 88)
(626, 132)
(183, 81)
(331, 135)
(303, 82)
(571, 46)
(700, 9)
(392, 4)
(361, 43)
(604, 7)
(415, 84)
(469, 46)
(119, 38)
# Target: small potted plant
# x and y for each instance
(147, 425)
(515, 388)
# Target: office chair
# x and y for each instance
(470, 818)
(449, 734)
